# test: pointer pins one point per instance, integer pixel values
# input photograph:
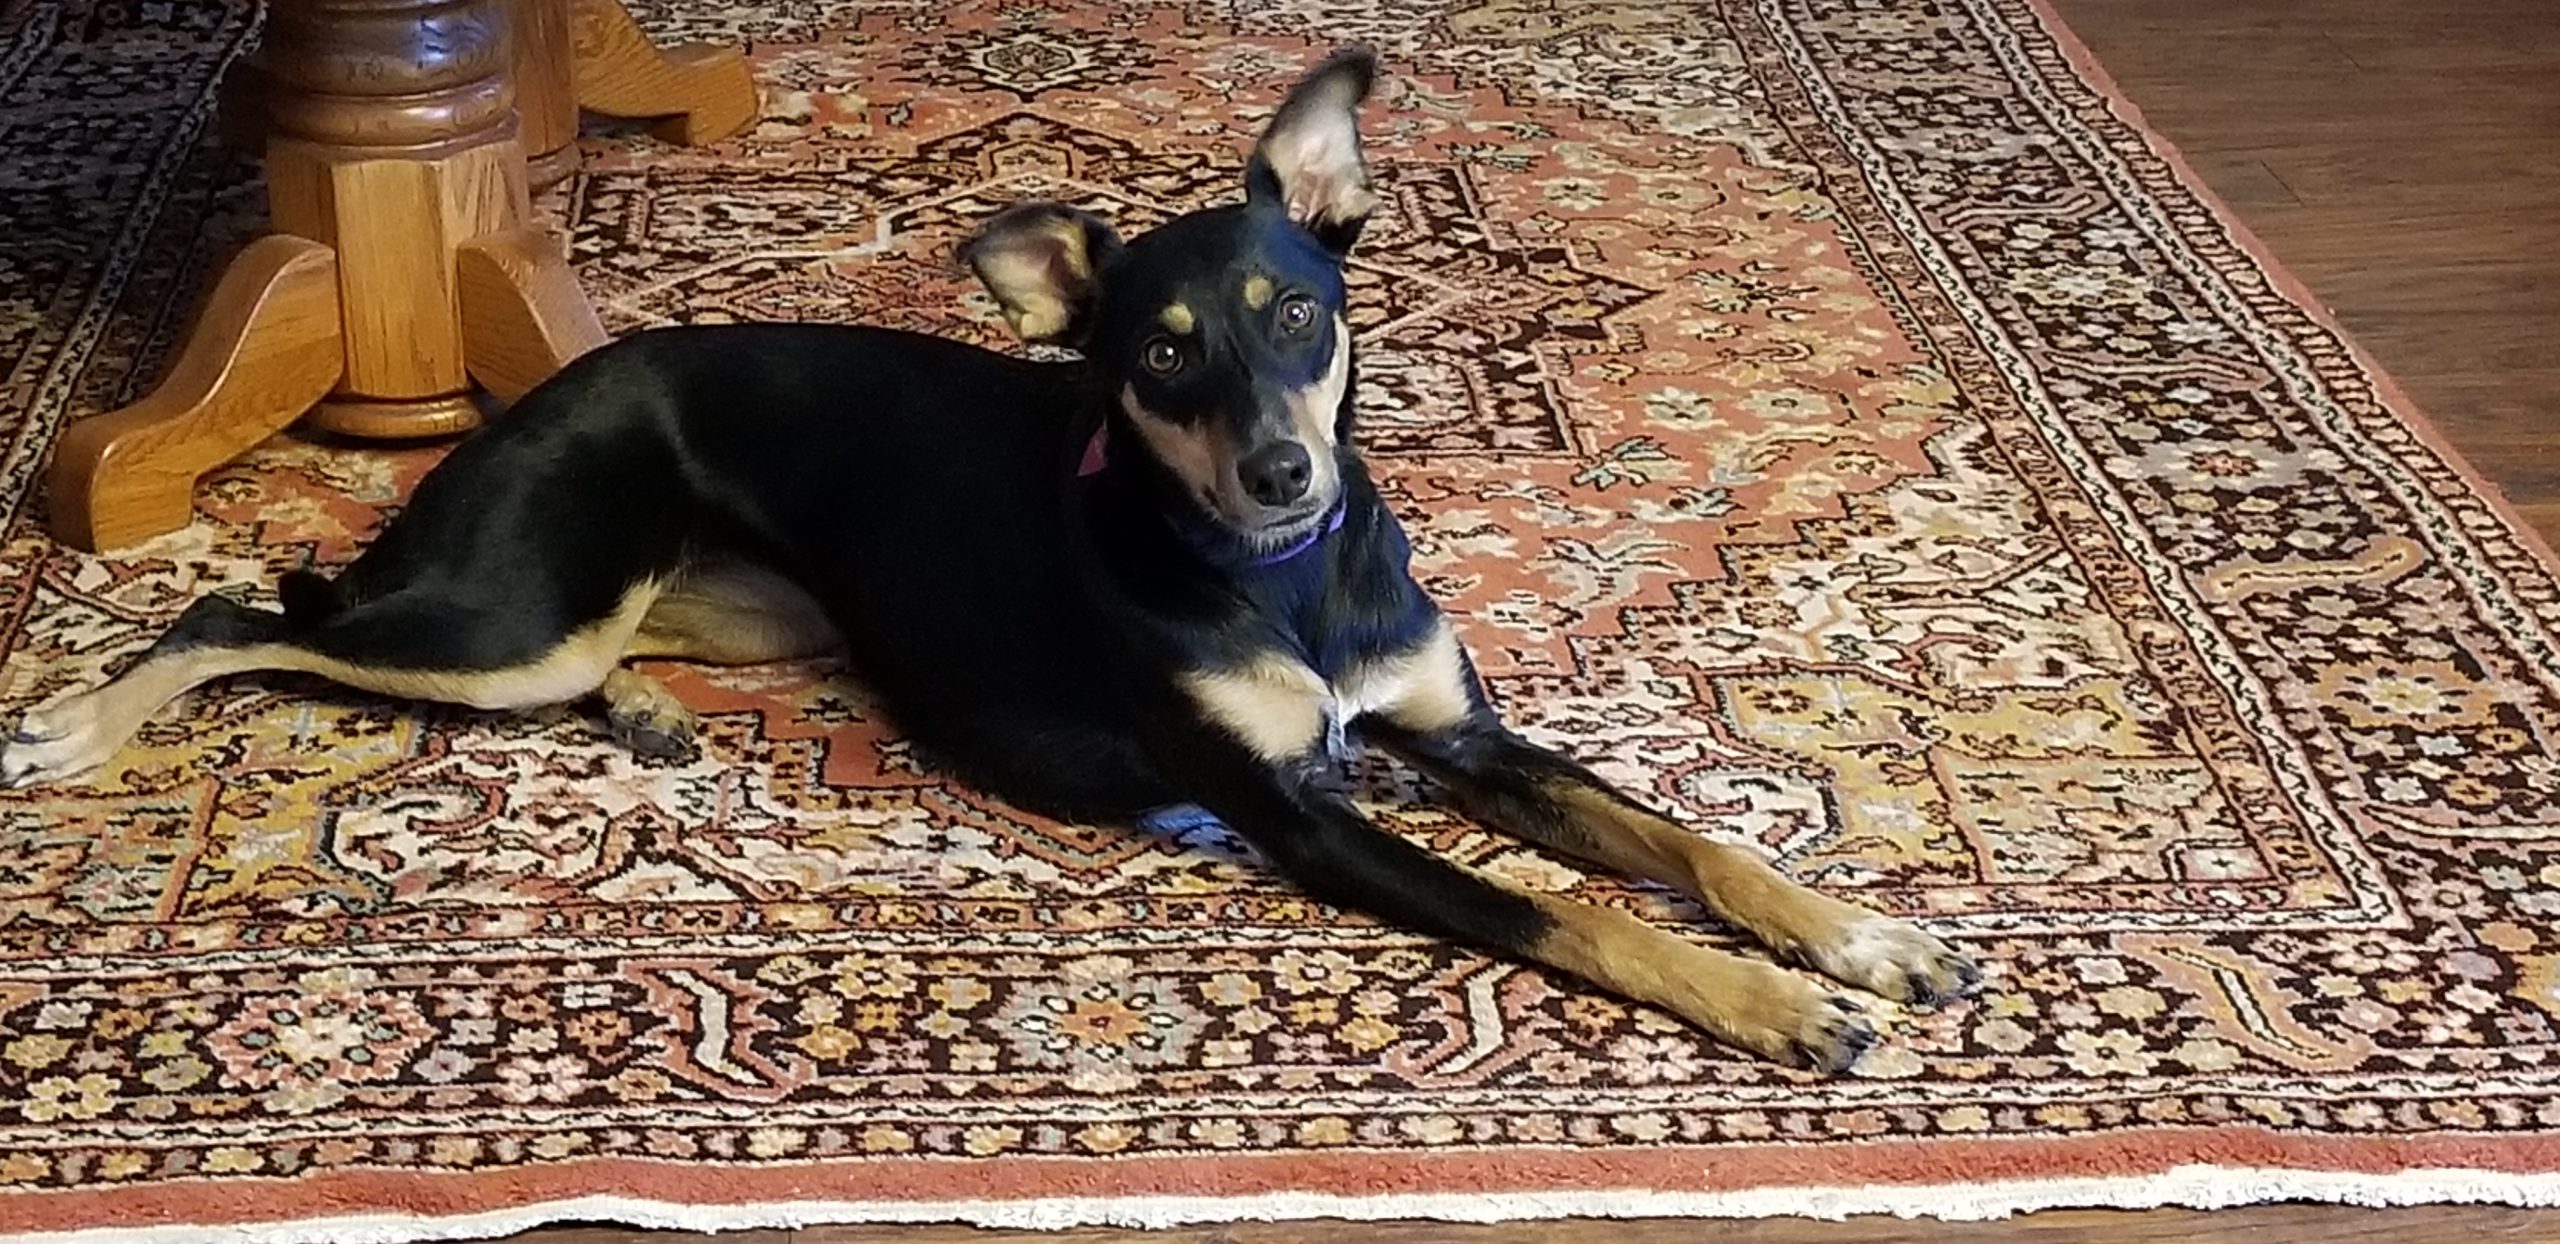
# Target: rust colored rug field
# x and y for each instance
(1835, 418)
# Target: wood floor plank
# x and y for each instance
(2452, 340)
(2468, 283)
(2244, 178)
(2370, 172)
(2466, 38)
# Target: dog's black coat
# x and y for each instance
(1021, 623)
(1016, 620)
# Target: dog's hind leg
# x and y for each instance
(388, 645)
(215, 637)
(723, 612)
(718, 613)
(733, 613)
(1434, 715)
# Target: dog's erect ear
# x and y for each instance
(1042, 262)
(1309, 161)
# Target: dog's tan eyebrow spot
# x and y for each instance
(1177, 316)
(1257, 292)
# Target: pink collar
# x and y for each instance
(1097, 452)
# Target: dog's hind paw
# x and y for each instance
(62, 741)
(646, 718)
(651, 737)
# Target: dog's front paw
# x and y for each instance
(1757, 1006)
(1829, 1037)
(1893, 958)
(1791, 1020)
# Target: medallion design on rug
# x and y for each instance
(1828, 416)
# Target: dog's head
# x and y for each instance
(1220, 334)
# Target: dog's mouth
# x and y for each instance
(1275, 528)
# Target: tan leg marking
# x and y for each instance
(733, 613)
(573, 668)
(1424, 691)
(78, 733)
(718, 613)
(1742, 1002)
(1841, 940)
(1276, 706)
(81, 732)
(1273, 704)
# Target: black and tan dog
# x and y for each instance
(1156, 576)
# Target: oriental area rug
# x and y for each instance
(1838, 419)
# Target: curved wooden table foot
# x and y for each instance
(523, 315)
(265, 348)
(704, 93)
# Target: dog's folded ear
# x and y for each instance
(1043, 262)
(1308, 161)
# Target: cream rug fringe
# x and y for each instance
(2192, 1187)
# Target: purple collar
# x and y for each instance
(1305, 542)
(1097, 455)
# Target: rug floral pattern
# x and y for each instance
(1825, 415)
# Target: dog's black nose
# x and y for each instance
(1276, 474)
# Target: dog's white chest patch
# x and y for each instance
(1421, 688)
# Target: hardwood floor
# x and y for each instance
(2404, 162)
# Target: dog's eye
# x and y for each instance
(1297, 313)
(1161, 357)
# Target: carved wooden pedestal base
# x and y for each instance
(403, 270)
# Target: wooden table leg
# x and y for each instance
(546, 90)
(391, 156)
(404, 269)
(589, 54)
(392, 140)
(702, 93)
(524, 316)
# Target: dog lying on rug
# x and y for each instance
(1156, 577)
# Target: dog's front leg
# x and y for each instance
(1432, 712)
(1266, 774)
